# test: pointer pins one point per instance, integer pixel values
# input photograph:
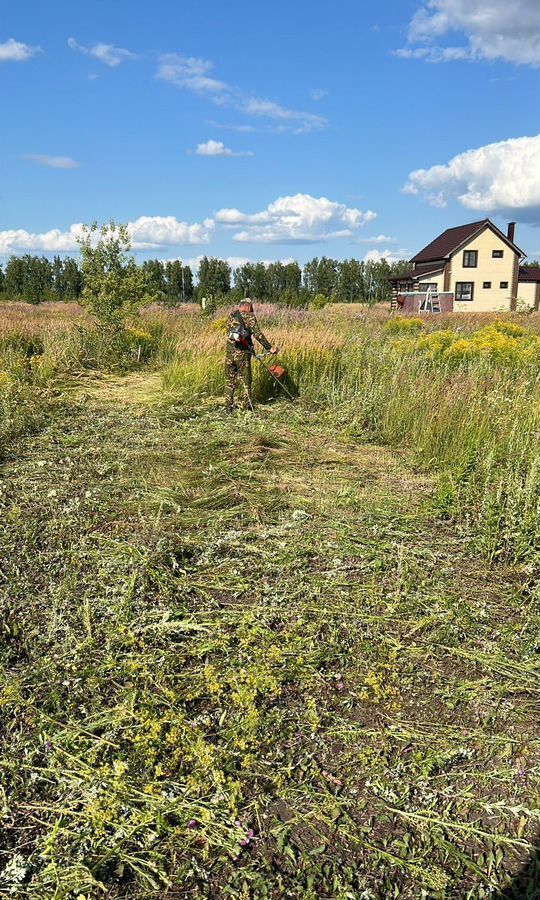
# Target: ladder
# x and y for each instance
(431, 303)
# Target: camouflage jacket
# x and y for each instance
(252, 325)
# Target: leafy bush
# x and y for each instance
(320, 301)
(114, 286)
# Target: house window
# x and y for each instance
(470, 259)
(497, 254)
(464, 290)
(424, 287)
(486, 284)
(504, 285)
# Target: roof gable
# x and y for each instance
(453, 238)
(447, 242)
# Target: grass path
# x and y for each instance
(243, 657)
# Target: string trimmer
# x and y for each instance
(275, 371)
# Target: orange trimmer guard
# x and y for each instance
(277, 371)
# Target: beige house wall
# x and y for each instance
(488, 269)
(527, 294)
(434, 279)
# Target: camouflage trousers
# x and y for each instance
(238, 367)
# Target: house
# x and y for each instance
(474, 267)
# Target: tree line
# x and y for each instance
(35, 279)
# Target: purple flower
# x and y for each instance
(250, 834)
(192, 823)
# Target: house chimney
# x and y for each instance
(511, 230)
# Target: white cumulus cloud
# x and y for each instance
(15, 51)
(105, 53)
(390, 256)
(20, 241)
(194, 74)
(147, 233)
(500, 177)
(53, 162)
(218, 148)
(301, 219)
(492, 29)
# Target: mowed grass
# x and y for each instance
(270, 656)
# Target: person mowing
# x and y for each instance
(242, 327)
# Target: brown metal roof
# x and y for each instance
(529, 273)
(449, 241)
(421, 276)
(405, 276)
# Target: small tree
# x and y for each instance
(319, 301)
(114, 286)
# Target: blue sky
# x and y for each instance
(268, 131)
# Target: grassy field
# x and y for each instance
(290, 654)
